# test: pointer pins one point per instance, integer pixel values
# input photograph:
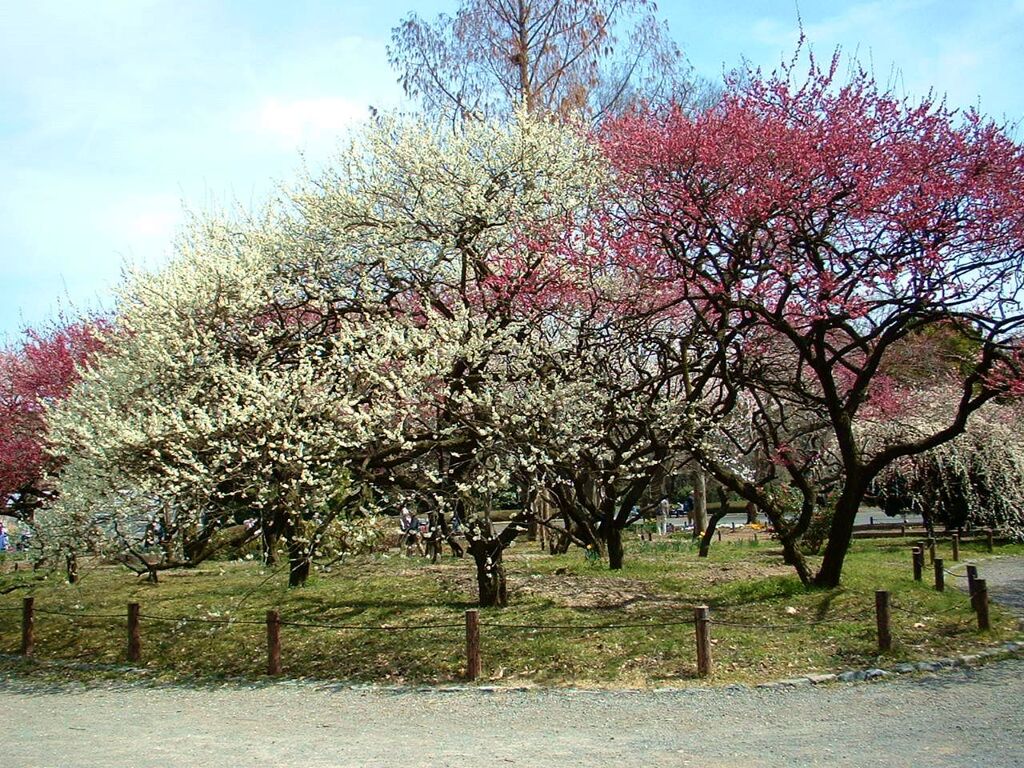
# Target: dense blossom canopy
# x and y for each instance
(761, 287)
(811, 229)
(372, 337)
(34, 374)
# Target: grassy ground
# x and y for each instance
(766, 625)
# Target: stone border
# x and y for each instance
(1008, 650)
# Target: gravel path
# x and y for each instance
(1004, 578)
(959, 717)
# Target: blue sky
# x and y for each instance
(116, 115)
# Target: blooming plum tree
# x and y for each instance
(975, 479)
(809, 228)
(215, 405)
(36, 373)
(459, 225)
(371, 331)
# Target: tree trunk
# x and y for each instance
(792, 555)
(490, 572)
(449, 535)
(167, 535)
(71, 565)
(613, 541)
(269, 541)
(709, 534)
(558, 541)
(194, 547)
(531, 505)
(298, 563)
(839, 536)
(751, 513)
(700, 503)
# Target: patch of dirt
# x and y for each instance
(569, 590)
(602, 592)
(727, 572)
(584, 591)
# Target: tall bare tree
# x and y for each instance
(560, 57)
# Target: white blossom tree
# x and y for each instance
(370, 334)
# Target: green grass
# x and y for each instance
(766, 625)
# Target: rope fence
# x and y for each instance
(794, 626)
(589, 627)
(701, 620)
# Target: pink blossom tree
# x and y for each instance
(809, 229)
(38, 371)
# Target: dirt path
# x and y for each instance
(960, 717)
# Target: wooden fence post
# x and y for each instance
(931, 551)
(702, 622)
(972, 578)
(28, 633)
(955, 538)
(918, 558)
(134, 637)
(273, 643)
(472, 644)
(882, 616)
(989, 539)
(980, 601)
(940, 576)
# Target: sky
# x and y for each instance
(117, 116)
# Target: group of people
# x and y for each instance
(415, 533)
(682, 509)
(7, 543)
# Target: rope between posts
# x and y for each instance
(106, 616)
(305, 624)
(794, 626)
(898, 607)
(451, 625)
(372, 627)
(251, 622)
(643, 625)
(859, 616)
(190, 620)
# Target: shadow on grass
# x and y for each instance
(748, 591)
(825, 606)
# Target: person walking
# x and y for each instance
(410, 528)
(688, 509)
(664, 507)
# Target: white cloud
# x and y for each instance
(303, 122)
(142, 228)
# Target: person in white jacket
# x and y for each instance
(664, 507)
